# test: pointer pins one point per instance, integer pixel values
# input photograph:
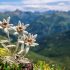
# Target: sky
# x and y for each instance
(34, 5)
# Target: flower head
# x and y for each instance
(20, 28)
(30, 40)
(5, 23)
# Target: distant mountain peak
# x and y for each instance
(17, 10)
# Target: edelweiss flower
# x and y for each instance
(6, 26)
(5, 23)
(30, 40)
(20, 28)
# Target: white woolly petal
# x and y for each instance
(25, 32)
(13, 28)
(19, 23)
(6, 30)
(27, 44)
(35, 35)
(21, 42)
(35, 44)
(29, 35)
(1, 27)
(0, 22)
(4, 20)
(15, 33)
(24, 37)
(11, 31)
(11, 25)
(8, 19)
(23, 24)
(26, 25)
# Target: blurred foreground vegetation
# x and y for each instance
(39, 62)
(40, 65)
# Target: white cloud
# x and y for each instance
(60, 8)
(9, 7)
(40, 1)
(35, 5)
(61, 4)
(42, 4)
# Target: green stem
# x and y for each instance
(22, 46)
(27, 50)
(17, 45)
(8, 37)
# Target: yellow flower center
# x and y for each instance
(19, 29)
(29, 41)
